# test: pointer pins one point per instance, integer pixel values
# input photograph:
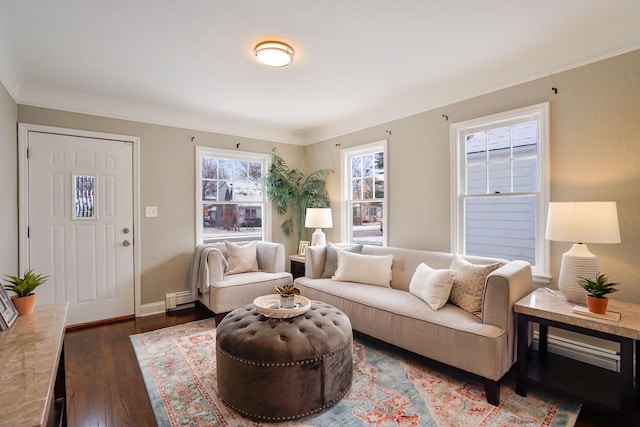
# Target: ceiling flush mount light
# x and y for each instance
(274, 54)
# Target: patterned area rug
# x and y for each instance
(390, 388)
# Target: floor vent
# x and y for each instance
(178, 300)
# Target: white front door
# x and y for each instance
(80, 223)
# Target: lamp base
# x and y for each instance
(577, 263)
(318, 238)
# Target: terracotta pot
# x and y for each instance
(24, 305)
(597, 305)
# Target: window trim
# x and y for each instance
(345, 160)
(458, 175)
(202, 151)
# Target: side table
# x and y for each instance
(297, 266)
(606, 390)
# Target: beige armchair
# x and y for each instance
(224, 293)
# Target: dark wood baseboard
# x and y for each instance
(99, 322)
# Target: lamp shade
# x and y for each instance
(583, 222)
(318, 218)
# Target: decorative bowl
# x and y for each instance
(269, 306)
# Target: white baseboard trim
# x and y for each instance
(177, 301)
(152, 308)
(583, 352)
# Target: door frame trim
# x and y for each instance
(23, 195)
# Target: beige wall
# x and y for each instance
(595, 155)
(167, 180)
(8, 184)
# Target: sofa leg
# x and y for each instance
(492, 390)
(219, 317)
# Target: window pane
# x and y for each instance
(525, 139)
(476, 145)
(499, 143)
(367, 224)
(234, 222)
(240, 170)
(209, 167)
(225, 190)
(500, 177)
(356, 189)
(379, 163)
(255, 171)
(502, 227)
(367, 188)
(525, 175)
(209, 190)
(367, 165)
(477, 179)
(225, 169)
(356, 167)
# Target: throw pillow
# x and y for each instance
(432, 286)
(331, 261)
(368, 269)
(468, 287)
(241, 259)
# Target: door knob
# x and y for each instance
(125, 231)
(126, 243)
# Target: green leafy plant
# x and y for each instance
(24, 286)
(598, 287)
(291, 190)
(287, 290)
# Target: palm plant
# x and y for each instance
(291, 190)
(598, 287)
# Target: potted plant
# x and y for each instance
(597, 289)
(23, 287)
(290, 189)
(287, 295)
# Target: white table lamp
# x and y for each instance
(581, 223)
(318, 218)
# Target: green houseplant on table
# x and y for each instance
(597, 289)
(23, 287)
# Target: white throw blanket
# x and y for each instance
(199, 272)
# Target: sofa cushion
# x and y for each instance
(468, 287)
(241, 259)
(331, 261)
(432, 286)
(368, 269)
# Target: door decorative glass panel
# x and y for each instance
(83, 194)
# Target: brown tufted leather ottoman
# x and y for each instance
(275, 370)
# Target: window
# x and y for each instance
(500, 186)
(230, 202)
(365, 206)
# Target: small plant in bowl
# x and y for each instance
(23, 287)
(597, 289)
(287, 295)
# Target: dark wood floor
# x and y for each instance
(105, 387)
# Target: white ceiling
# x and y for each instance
(358, 63)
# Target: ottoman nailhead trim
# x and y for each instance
(275, 364)
(291, 417)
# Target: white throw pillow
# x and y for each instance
(432, 286)
(241, 259)
(368, 269)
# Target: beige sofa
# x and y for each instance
(222, 293)
(484, 346)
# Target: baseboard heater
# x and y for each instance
(178, 300)
(598, 356)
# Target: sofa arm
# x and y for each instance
(270, 257)
(315, 258)
(504, 287)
